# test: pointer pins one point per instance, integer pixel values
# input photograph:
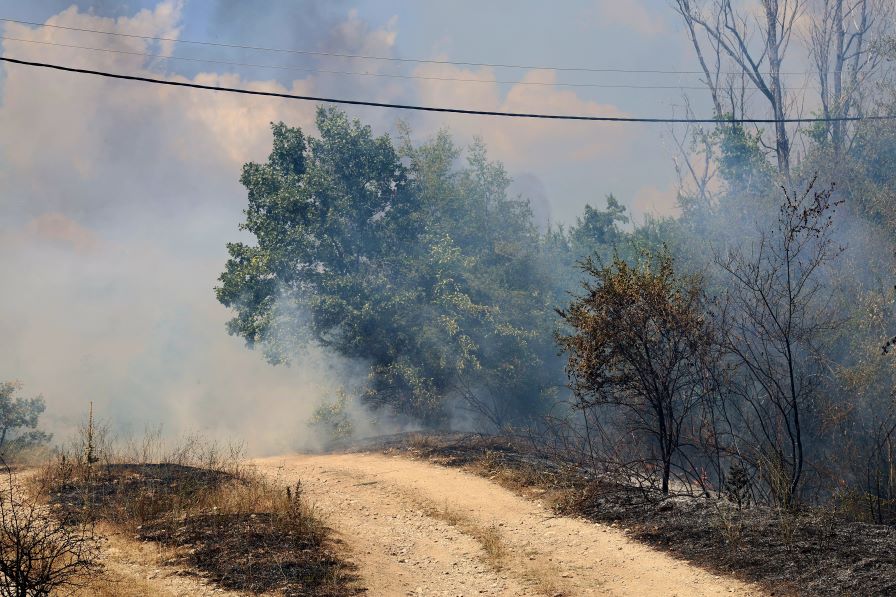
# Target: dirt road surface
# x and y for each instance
(415, 528)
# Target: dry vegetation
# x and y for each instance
(39, 553)
(216, 519)
(489, 537)
(540, 570)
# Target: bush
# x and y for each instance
(333, 419)
(40, 554)
(641, 349)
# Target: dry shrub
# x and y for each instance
(41, 554)
(490, 539)
(420, 441)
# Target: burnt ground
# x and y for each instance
(811, 552)
(129, 493)
(252, 553)
(248, 551)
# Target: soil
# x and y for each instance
(416, 528)
(813, 551)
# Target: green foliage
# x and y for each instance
(742, 162)
(870, 168)
(333, 418)
(597, 230)
(400, 257)
(18, 420)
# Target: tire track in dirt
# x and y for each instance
(415, 528)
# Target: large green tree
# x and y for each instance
(400, 256)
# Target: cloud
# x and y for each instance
(572, 158)
(631, 14)
(355, 35)
(56, 228)
(524, 144)
(118, 199)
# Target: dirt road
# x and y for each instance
(415, 528)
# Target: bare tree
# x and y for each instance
(843, 42)
(721, 34)
(776, 309)
(890, 344)
(694, 163)
(880, 469)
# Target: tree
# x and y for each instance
(598, 230)
(19, 419)
(844, 43)
(890, 344)
(640, 344)
(726, 30)
(776, 308)
(403, 258)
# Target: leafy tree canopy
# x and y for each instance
(410, 258)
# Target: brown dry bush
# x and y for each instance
(40, 554)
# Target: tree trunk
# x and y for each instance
(782, 143)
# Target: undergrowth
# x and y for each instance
(222, 520)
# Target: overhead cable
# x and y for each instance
(444, 110)
(374, 57)
(349, 73)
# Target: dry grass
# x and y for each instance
(115, 584)
(222, 520)
(545, 576)
(420, 441)
(40, 554)
(542, 573)
(488, 537)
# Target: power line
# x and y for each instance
(372, 57)
(349, 73)
(419, 108)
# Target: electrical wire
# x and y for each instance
(373, 57)
(420, 108)
(348, 73)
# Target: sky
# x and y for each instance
(117, 198)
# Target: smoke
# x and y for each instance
(118, 198)
(117, 203)
(529, 187)
(135, 329)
